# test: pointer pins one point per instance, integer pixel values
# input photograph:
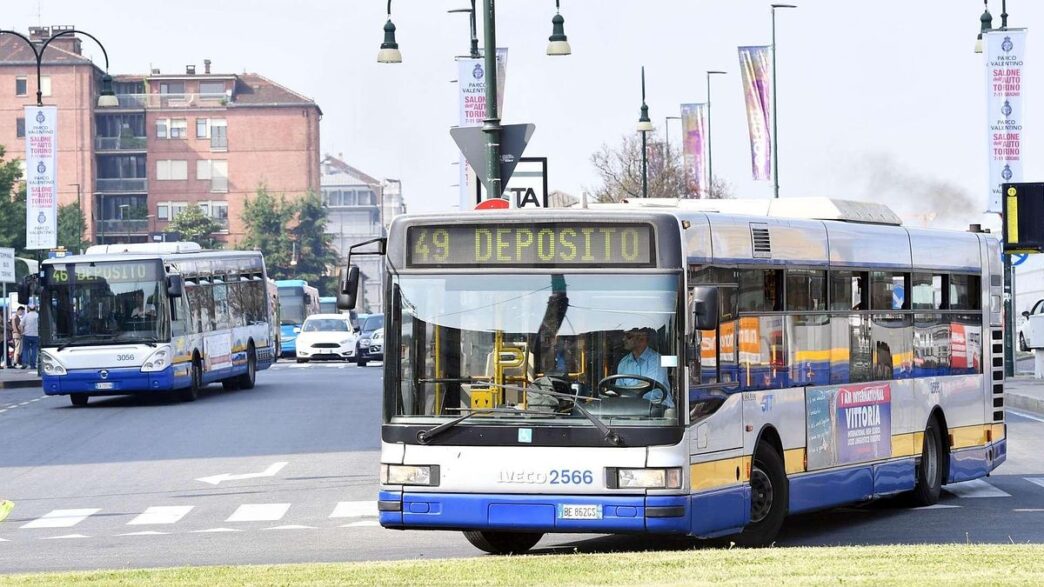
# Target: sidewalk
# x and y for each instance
(1024, 393)
(18, 378)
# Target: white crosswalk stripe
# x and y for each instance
(259, 512)
(975, 488)
(62, 518)
(161, 515)
(355, 509)
(1035, 480)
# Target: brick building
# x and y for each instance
(192, 138)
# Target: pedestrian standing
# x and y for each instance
(16, 335)
(30, 337)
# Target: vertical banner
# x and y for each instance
(1005, 51)
(757, 91)
(694, 148)
(41, 182)
(471, 85)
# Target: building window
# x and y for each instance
(20, 124)
(219, 211)
(21, 86)
(211, 88)
(203, 169)
(218, 135)
(171, 170)
(201, 128)
(178, 128)
(177, 208)
(161, 128)
(45, 85)
(163, 211)
(205, 207)
(216, 172)
(172, 87)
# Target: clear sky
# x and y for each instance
(878, 100)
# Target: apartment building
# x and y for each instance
(359, 208)
(196, 138)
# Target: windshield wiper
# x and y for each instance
(425, 436)
(608, 433)
(86, 338)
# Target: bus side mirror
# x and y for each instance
(349, 288)
(175, 286)
(705, 308)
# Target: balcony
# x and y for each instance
(116, 185)
(113, 226)
(131, 101)
(153, 101)
(119, 143)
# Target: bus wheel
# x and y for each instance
(246, 380)
(930, 471)
(78, 399)
(360, 362)
(190, 394)
(502, 542)
(769, 496)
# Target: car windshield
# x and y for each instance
(373, 323)
(536, 344)
(96, 303)
(325, 325)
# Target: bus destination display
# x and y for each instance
(110, 272)
(544, 244)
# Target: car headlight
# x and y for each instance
(51, 365)
(364, 341)
(410, 475)
(157, 361)
(344, 342)
(648, 478)
(377, 336)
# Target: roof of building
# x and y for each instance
(338, 166)
(253, 89)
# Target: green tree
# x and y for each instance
(195, 226)
(72, 225)
(265, 219)
(316, 256)
(12, 205)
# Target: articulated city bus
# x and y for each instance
(153, 317)
(297, 301)
(674, 371)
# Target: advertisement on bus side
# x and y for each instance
(848, 424)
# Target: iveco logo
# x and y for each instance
(104, 374)
(522, 476)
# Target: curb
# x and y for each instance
(1024, 402)
(21, 384)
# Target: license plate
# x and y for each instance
(104, 385)
(580, 512)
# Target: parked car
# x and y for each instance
(326, 336)
(371, 325)
(1031, 333)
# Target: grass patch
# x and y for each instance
(866, 565)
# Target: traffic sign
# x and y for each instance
(493, 204)
(472, 142)
(7, 265)
(527, 187)
(1023, 218)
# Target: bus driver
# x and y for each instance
(642, 360)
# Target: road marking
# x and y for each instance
(938, 506)
(210, 530)
(62, 518)
(145, 533)
(1035, 480)
(269, 472)
(161, 515)
(1025, 415)
(975, 488)
(291, 527)
(4, 540)
(64, 537)
(259, 512)
(360, 524)
(1028, 510)
(355, 509)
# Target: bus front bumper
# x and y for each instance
(668, 514)
(108, 381)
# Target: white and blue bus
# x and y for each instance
(154, 317)
(297, 301)
(670, 370)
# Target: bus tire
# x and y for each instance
(502, 542)
(302, 360)
(360, 362)
(770, 496)
(230, 384)
(930, 469)
(246, 380)
(78, 399)
(192, 392)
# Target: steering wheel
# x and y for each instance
(646, 384)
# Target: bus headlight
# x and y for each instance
(410, 475)
(51, 365)
(157, 361)
(648, 478)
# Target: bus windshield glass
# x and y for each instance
(531, 347)
(97, 303)
(292, 308)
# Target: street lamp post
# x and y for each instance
(474, 52)
(775, 90)
(107, 99)
(710, 160)
(645, 126)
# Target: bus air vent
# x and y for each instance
(759, 236)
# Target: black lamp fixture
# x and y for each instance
(389, 52)
(557, 42)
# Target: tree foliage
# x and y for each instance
(195, 226)
(72, 227)
(12, 205)
(315, 255)
(620, 169)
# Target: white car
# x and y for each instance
(326, 336)
(1031, 333)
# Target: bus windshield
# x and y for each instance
(292, 309)
(89, 304)
(533, 346)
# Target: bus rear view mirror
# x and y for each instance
(705, 308)
(349, 288)
(175, 286)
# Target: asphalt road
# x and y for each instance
(287, 473)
